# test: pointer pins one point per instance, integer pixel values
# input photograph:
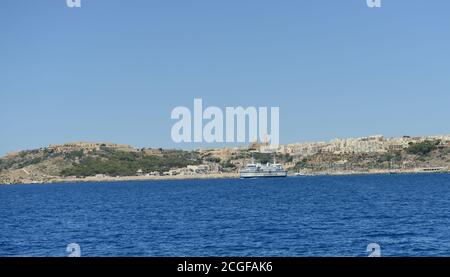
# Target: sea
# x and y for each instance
(306, 216)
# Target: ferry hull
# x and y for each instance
(246, 175)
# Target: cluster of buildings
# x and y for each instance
(190, 170)
(370, 144)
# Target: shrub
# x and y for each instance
(422, 148)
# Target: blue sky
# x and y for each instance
(113, 70)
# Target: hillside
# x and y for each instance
(89, 159)
(80, 160)
(429, 154)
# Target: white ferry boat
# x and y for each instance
(263, 171)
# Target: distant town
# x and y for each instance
(83, 161)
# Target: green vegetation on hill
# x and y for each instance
(301, 164)
(264, 158)
(27, 158)
(228, 166)
(120, 163)
(423, 148)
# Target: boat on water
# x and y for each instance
(299, 174)
(257, 170)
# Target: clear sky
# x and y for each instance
(113, 70)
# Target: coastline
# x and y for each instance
(376, 172)
(142, 178)
(223, 176)
(99, 161)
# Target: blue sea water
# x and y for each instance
(407, 215)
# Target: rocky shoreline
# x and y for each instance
(226, 176)
(128, 178)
